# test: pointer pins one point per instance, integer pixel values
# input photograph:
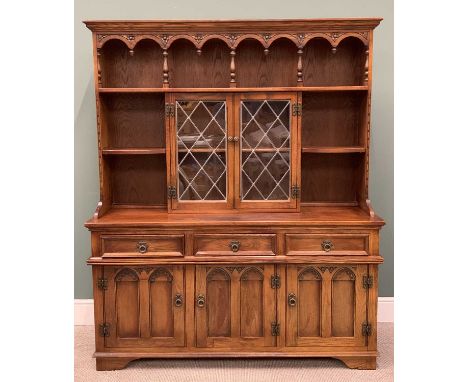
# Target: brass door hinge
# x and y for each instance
(104, 329)
(102, 283)
(366, 329)
(295, 191)
(297, 109)
(170, 110)
(275, 329)
(171, 192)
(367, 282)
(275, 281)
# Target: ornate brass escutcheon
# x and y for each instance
(292, 299)
(142, 247)
(178, 301)
(201, 301)
(234, 245)
(327, 245)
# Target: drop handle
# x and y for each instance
(178, 300)
(200, 301)
(292, 299)
(234, 245)
(327, 245)
(142, 247)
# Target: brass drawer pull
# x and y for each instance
(178, 301)
(200, 301)
(142, 247)
(234, 245)
(292, 299)
(327, 245)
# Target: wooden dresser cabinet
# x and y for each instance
(234, 218)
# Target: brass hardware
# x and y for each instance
(292, 299)
(275, 329)
(171, 192)
(102, 283)
(169, 110)
(327, 245)
(230, 139)
(142, 247)
(275, 281)
(297, 109)
(366, 329)
(367, 282)
(178, 300)
(236, 139)
(104, 329)
(200, 301)
(295, 191)
(234, 245)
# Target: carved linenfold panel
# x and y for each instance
(160, 272)
(128, 274)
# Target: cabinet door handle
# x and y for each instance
(178, 300)
(201, 301)
(292, 299)
(234, 245)
(142, 247)
(327, 245)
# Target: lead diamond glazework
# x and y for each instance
(266, 150)
(201, 150)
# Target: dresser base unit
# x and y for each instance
(234, 216)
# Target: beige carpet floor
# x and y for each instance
(245, 370)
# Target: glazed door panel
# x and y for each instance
(145, 306)
(201, 160)
(234, 306)
(326, 305)
(267, 151)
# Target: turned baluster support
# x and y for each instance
(299, 68)
(232, 83)
(366, 68)
(165, 70)
(99, 66)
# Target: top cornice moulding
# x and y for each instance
(231, 25)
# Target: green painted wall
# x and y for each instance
(86, 164)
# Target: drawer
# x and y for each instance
(234, 244)
(142, 245)
(323, 244)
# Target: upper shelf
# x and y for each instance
(248, 61)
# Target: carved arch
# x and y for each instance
(143, 37)
(351, 36)
(160, 272)
(342, 271)
(310, 36)
(250, 36)
(286, 36)
(104, 39)
(310, 270)
(218, 272)
(178, 37)
(126, 273)
(250, 270)
(214, 37)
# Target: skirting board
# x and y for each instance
(84, 314)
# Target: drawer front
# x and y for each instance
(322, 244)
(142, 246)
(234, 244)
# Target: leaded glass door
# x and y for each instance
(202, 173)
(266, 154)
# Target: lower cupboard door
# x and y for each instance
(235, 306)
(144, 306)
(325, 305)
